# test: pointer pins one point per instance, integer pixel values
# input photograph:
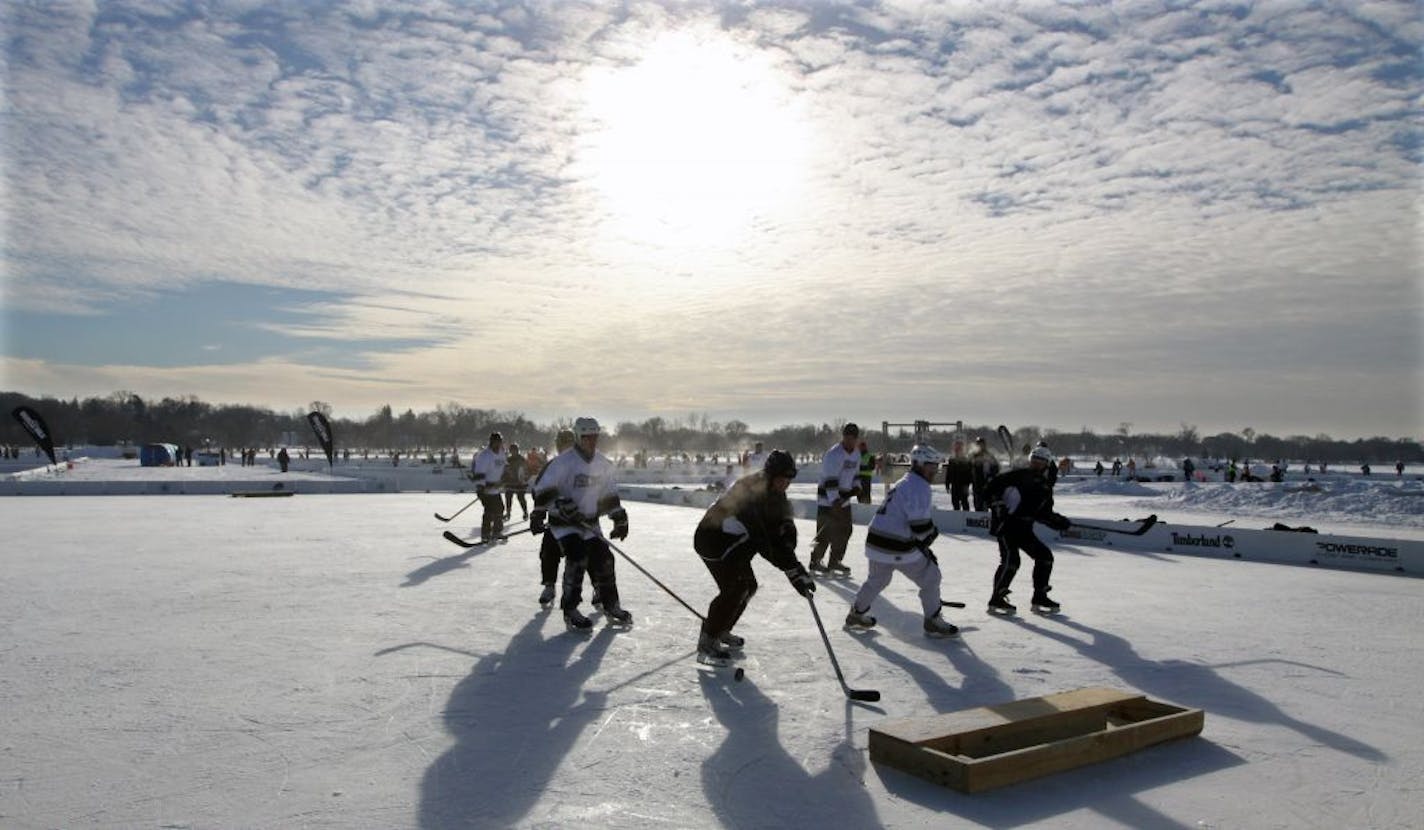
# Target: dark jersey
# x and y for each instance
(748, 519)
(1026, 494)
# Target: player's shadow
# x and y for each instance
(752, 781)
(442, 565)
(1190, 684)
(898, 638)
(895, 640)
(514, 719)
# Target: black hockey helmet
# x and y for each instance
(495, 437)
(779, 464)
(851, 429)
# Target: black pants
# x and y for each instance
(732, 571)
(591, 556)
(833, 529)
(1019, 536)
(979, 497)
(509, 501)
(959, 496)
(493, 520)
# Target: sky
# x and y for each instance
(1152, 213)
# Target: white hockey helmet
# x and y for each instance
(585, 426)
(1043, 454)
(925, 454)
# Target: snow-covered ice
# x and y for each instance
(330, 661)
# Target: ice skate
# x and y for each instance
(1043, 604)
(999, 604)
(819, 568)
(576, 621)
(596, 601)
(546, 597)
(711, 652)
(617, 615)
(858, 619)
(731, 641)
(840, 570)
(938, 626)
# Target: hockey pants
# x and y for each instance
(921, 571)
(492, 522)
(1019, 536)
(732, 571)
(833, 529)
(591, 555)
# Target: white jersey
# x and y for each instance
(904, 524)
(590, 483)
(488, 470)
(839, 468)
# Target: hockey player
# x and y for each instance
(986, 466)
(958, 475)
(899, 539)
(549, 551)
(572, 492)
(756, 459)
(487, 472)
(840, 467)
(1017, 499)
(516, 482)
(752, 517)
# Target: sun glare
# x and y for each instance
(693, 144)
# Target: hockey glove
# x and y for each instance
(801, 581)
(537, 519)
(567, 510)
(1057, 522)
(998, 517)
(620, 524)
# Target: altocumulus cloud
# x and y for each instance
(1005, 211)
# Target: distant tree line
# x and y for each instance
(125, 418)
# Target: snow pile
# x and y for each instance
(1104, 486)
(1342, 500)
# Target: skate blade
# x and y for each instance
(942, 635)
(714, 662)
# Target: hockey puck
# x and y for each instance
(739, 674)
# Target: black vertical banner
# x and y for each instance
(37, 428)
(322, 428)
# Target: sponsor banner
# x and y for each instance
(322, 428)
(37, 428)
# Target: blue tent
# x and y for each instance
(158, 455)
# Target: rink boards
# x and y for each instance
(1361, 553)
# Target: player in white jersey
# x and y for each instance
(487, 471)
(756, 459)
(572, 492)
(835, 491)
(899, 539)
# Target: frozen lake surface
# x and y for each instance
(330, 661)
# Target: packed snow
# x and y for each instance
(327, 660)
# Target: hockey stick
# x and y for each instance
(867, 695)
(951, 604)
(1147, 524)
(655, 580)
(469, 543)
(457, 512)
(1008, 439)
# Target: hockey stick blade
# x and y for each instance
(866, 695)
(1146, 525)
(461, 542)
(951, 603)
